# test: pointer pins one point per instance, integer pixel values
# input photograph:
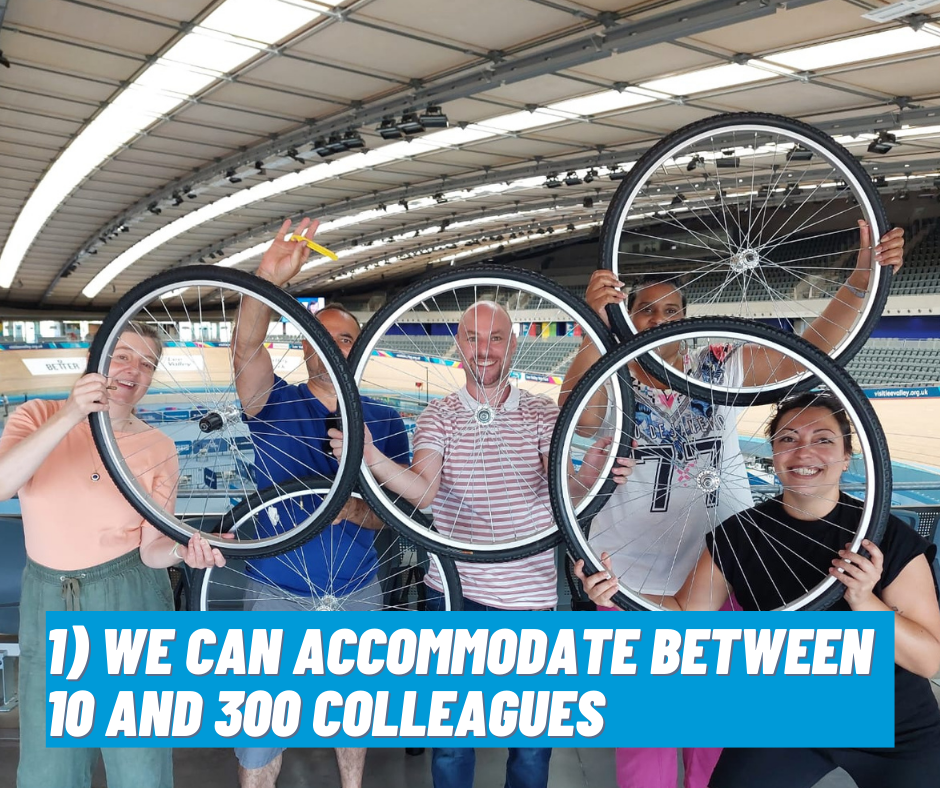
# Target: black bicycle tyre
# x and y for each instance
(377, 498)
(447, 571)
(853, 172)
(868, 431)
(347, 395)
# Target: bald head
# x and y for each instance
(487, 343)
(486, 314)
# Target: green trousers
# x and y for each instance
(123, 584)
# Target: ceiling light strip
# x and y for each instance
(234, 33)
(703, 80)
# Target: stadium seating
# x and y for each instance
(897, 362)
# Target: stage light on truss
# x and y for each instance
(388, 129)
(336, 143)
(884, 143)
(433, 118)
(410, 125)
(352, 140)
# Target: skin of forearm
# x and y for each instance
(584, 359)
(158, 553)
(410, 485)
(250, 329)
(358, 511)
(835, 321)
(915, 649)
(370, 520)
(827, 330)
(18, 465)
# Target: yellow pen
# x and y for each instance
(314, 246)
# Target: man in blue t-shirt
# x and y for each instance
(289, 436)
(337, 569)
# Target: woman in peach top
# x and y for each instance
(87, 549)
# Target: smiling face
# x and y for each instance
(133, 364)
(487, 344)
(810, 454)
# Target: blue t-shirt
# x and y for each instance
(289, 435)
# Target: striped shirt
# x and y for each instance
(494, 488)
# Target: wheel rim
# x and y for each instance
(425, 364)
(193, 402)
(668, 548)
(765, 234)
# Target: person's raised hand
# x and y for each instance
(604, 288)
(88, 395)
(284, 258)
(889, 251)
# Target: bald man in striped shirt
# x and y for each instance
(480, 463)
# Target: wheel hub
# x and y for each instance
(485, 415)
(708, 481)
(744, 260)
(214, 420)
(326, 603)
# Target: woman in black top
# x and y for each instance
(773, 553)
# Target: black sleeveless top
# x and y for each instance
(770, 558)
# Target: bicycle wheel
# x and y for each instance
(393, 578)
(750, 215)
(407, 355)
(699, 463)
(197, 452)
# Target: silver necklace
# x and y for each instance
(93, 450)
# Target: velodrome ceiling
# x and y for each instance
(138, 136)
